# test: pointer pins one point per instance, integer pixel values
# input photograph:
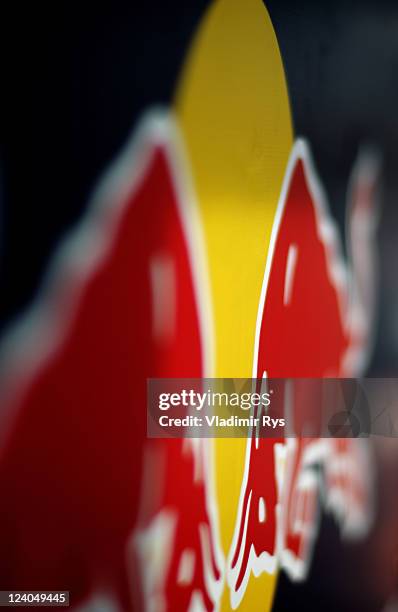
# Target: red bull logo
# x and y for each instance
(277, 516)
(199, 256)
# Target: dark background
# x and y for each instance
(75, 78)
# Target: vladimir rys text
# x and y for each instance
(197, 412)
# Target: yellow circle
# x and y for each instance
(233, 110)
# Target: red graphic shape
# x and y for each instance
(304, 332)
(305, 337)
(71, 468)
(193, 517)
(261, 487)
